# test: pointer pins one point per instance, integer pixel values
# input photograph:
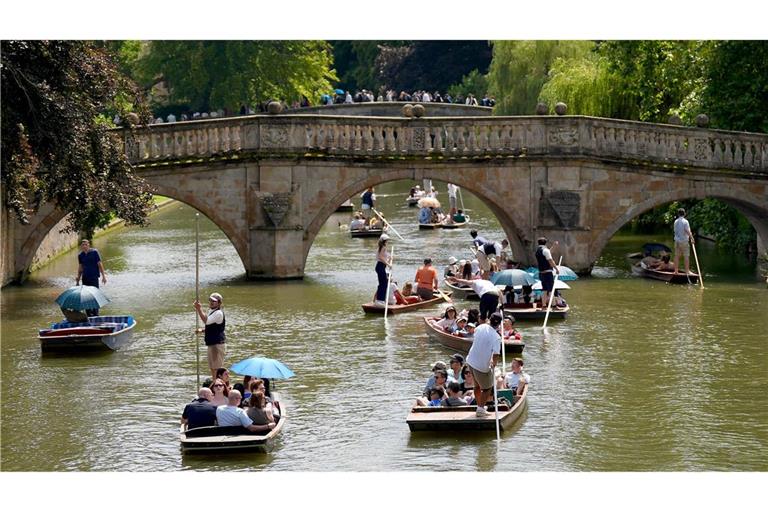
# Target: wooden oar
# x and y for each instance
(197, 293)
(698, 267)
(389, 282)
(388, 224)
(443, 295)
(552, 294)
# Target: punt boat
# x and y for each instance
(366, 233)
(412, 201)
(534, 312)
(463, 417)
(462, 292)
(230, 439)
(640, 269)
(435, 225)
(372, 307)
(454, 225)
(346, 206)
(96, 333)
(460, 343)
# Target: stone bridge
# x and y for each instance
(270, 182)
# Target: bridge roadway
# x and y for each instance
(270, 182)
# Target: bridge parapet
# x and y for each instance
(452, 137)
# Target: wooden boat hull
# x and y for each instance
(216, 440)
(454, 225)
(463, 418)
(366, 233)
(412, 201)
(85, 337)
(430, 226)
(462, 344)
(373, 308)
(668, 277)
(462, 293)
(345, 208)
(535, 313)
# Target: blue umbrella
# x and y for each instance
(566, 274)
(339, 91)
(512, 277)
(82, 297)
(262, 367)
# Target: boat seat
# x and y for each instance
(220, 431)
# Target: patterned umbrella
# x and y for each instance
(512, 277)
(262, 367)
(566, 274)
(82, 297)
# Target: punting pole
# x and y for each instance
(197, 293)
(461, 197)
(551, 295)
(388, 224)
(698, 267)
(496, 403)
(389, 283)
(503, 356)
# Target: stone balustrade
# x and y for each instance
(451, 137)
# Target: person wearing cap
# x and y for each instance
(482, 358)
(452, 269)
(215, 338)
(383, 260)
(426, 280)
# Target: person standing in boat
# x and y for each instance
(482, 358)
(367, 200)
(215, 339)
(452, 191)
(383, 260)
(547, 269)
(89, 269)
(487, 291)
(682, 236)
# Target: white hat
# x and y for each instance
(216, 297)
(384, 236)
(462, 263)
(451, 260)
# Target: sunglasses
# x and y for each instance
(218, 385)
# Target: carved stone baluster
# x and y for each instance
(176, 145)
(437, 146)
(389, 140)
(728, 152)
(738, 157)
(378, 139)
(493, 140)
(368, 138)
(718, 155)
(225, 138)
(461, 145)
(508, 142)
(449, 142)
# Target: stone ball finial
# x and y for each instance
(408, 110)
(132, 119)
(702, 120)
(274, 107)
(542, 109)
(419, 110)
(561, 108)
(675, 119)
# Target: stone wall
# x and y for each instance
(54, 244)
(393, 109)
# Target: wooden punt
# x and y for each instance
(454, 225)
(98, 333)
(366, 233)
(641, 270)
(459, 343)
(230, 439)
(461, 292)
(371, 307)
(463, 417)
(412, 201)
(346, 206)
(430, 226)
(535, 312)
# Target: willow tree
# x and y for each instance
(520, 69)
(226, 74)
(56, 143)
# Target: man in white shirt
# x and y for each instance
(215, 339)
(231, 415)
(517, 379)
(452, 191)
(486, 290)
(482, 358)
(682, 236)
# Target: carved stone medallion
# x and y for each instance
(562, 206)
(419, 138)
(564, 136)
(276, 206)
(274, 137)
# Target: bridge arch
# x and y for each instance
(467, 178)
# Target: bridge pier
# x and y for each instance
(276, 253)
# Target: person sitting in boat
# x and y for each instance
(517, 379)
(259, 412)
(461, 327)
(452, 269)
(200, 412)
(261, 385)
(448, 322)
(510, 333)
(436, 215)
(467, 387)
(357, 223)
(456, 363)
(470, 329)
(220, 393)
(664, 265)
(231, 415)
(525, 296)
(406, 296)
(375, 223)
(454, 398)
(466, 270)
(558, 301)
(435, 397)
(223, 374)
(473, 316)
(426, 280)
(459, 217)
(424, 215)
(476, 273)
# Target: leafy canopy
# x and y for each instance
(56, 143)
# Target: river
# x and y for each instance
(643, 376)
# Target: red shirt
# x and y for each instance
(426, 276)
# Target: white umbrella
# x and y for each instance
(559, 285)
(428, 202)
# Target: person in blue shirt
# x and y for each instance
(90, 269)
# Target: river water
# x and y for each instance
(642, 376)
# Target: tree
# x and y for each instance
(227, 74)
(519, 69)
(474, 83)
(56, 143)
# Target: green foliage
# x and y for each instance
(736, 95)
(355, 63)
(520, 69)
(474, 83)
(226, 74)
(56, 145)
(724, 223)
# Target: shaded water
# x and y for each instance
(642, 375)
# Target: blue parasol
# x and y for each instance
(262, 367)
(339, 91)
(82, 297)
(566, 274)
(512, 277)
